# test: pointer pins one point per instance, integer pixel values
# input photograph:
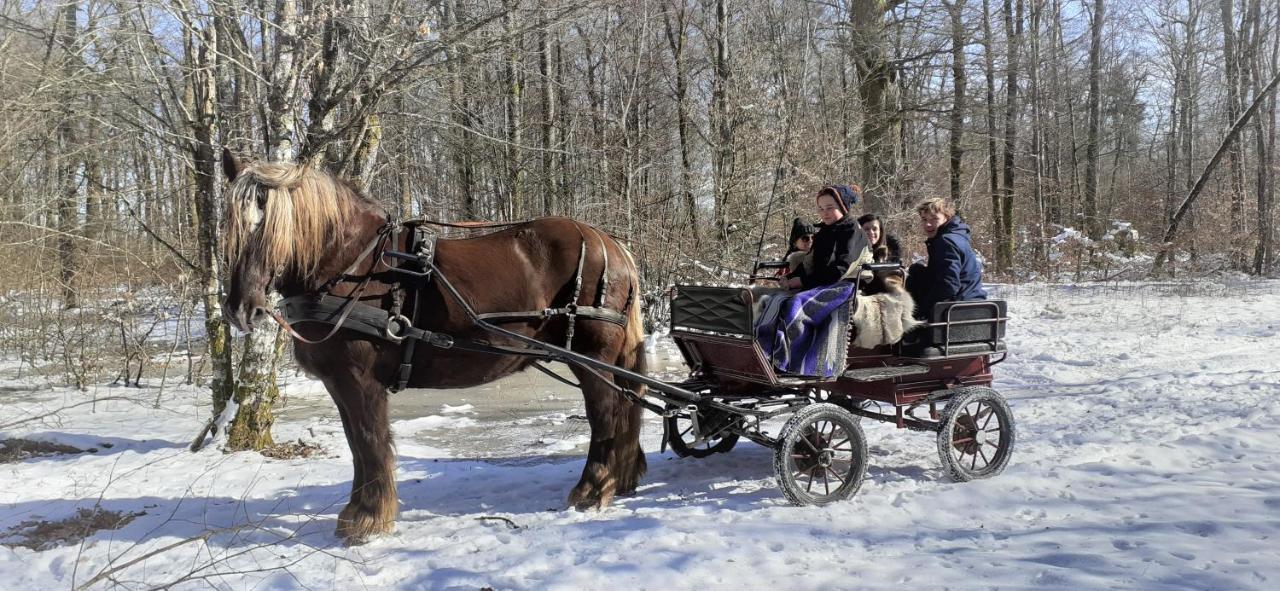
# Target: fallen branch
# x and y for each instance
(1167, 242)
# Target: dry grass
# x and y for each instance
(40, 534)
(294, 450)
(17, 450)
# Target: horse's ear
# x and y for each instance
(231, 165)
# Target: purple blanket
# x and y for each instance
(804, 333)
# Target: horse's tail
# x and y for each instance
(635, 321)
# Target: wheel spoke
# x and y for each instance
(826, 484)
(685, 432)
(974, 462)
(985, 461)
(835, 474)
(804, 437)
(832, 436)
(993, 444)
(809, 487)
(991, 413)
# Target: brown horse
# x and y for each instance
(296, 230)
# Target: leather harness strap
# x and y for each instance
(392, 325)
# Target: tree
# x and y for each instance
(955, 141)
(878, 89)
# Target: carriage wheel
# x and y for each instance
(976, 438)
(821, 455)
(681, 438)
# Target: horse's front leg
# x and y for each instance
(372, 509)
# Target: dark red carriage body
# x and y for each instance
(713, 328)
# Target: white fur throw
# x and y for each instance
(883, 319)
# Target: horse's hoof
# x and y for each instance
(356, 528)
(586, 501)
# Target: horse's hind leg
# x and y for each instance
(372, 509)
(615, 460)
(599, 482)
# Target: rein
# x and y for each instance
(376, 243)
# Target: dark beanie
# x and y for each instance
(846, 195)
(800, 228)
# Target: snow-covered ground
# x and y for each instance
(1148, 456)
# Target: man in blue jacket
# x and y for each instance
(953, 273)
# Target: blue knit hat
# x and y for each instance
(846, 195)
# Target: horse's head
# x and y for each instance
(281, 220)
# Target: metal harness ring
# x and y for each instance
(396, 328)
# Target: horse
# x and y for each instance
(297, 230)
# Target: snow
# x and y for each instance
(1148, 456)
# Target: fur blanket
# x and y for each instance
(883, 318)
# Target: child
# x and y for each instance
(801, 241)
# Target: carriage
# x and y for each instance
(938, 379)
(361, 291)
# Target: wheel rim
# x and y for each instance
(978, 436)
(822, 458)
(685, 435)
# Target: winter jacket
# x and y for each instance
(953, 274)
(836, 248)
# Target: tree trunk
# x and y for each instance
(68, 190)
(256, 389)
(514, 151)
(205, 132)
(955, 141)
(878, 89)
(1013, 38)
(1231, 58)
(722, 127)
(463, 153)
(550, 138)
(676, 40)
(1262, 254)
(993, 170)
(1093, 227)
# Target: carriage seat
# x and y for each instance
(721, 310)
(959, 329)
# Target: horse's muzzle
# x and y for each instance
(244, 318)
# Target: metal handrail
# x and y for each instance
(946, 326)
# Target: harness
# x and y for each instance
(410, 271)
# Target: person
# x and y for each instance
(800, 241)
(839, 247)
(953, 273)
(885, 247)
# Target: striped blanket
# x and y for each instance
(804, 333)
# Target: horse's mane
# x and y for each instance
(302, 212)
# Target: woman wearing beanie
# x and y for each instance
(838, 246)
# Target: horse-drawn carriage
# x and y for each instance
(937, 379)
(362, 291)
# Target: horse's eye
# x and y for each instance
(262, 200)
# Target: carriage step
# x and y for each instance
(876, 374)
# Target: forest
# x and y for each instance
(1087, 140)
